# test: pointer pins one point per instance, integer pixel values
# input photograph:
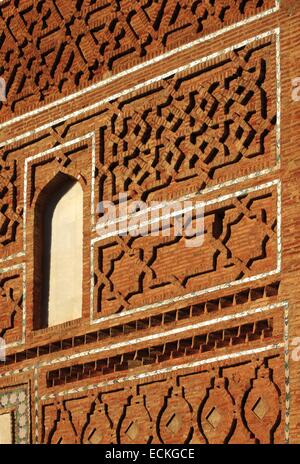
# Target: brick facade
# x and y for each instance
(160, 100)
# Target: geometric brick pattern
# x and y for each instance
(175, 344)
(240, 240)
(225, 115)
(11, 311)
(192, 128)
(203, 407)
(10, 211)
(75, 44)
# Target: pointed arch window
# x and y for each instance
(58, 245)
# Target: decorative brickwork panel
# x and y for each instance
(241, 402)
(189, 129)
(166, 101)
(240, 241)
(11, 210)
(75, 44)
(11, 304)
(209, 125)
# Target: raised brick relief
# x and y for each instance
(11, 305)
(211, 124)
(193, 129)
(175, 344)
(240, 240)
(76, 43)
(10, 209)
(237, 402)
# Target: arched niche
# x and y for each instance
(58, 252)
